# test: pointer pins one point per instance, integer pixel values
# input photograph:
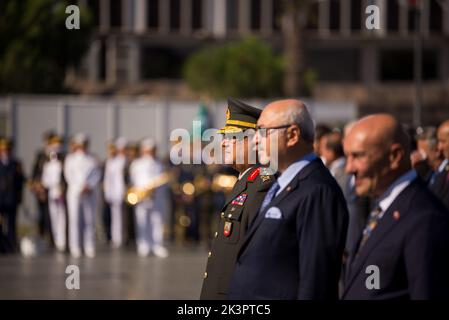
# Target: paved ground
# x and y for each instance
(112, 274)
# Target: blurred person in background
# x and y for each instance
(39, 190)
(83, 175)
(426, 159)
(114, 187)
(132, 152)
(105, 206)
(440, 184)
(320, 131)
(334, 158)
(11, 188)
(149, 220)
(53, 181)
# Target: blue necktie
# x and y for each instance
(270, 195)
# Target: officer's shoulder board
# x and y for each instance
(263, 173)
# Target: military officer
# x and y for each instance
(242, 203)
(82, 174)
(115, 188)
(53, 181)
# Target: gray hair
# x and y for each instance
(428, 134)
(301, 117)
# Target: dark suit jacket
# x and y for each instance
(222, 257)
(410, 245)
(440, 187)
(299, 255)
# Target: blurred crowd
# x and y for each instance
(130, 199)
(145, 202)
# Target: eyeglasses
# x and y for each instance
(264, 131)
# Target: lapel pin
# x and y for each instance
(396, 215)
(289, 188)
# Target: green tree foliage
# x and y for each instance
(36, 47)
(248, 68)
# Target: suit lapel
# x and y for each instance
(289, 188)
(385, 225)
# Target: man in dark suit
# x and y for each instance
(241, 204)
(11, 187)
(440, 185)
(293, 248)
(404, 248)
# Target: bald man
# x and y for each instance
(293, 248)
(404, 248)
(440, 185)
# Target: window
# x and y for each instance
(392, 16)
(175, 14)
(197, 10)
(334, 15)
(436, 13)
(277, 15)
(397, 65)
(153, 14)
(255, 14)
(94, 7)
(116, 13)
(356, 15)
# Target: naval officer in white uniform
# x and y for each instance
(82, 174)
(52, 179)
(114, 189)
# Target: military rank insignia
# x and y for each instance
(227, 229)
(240, 200)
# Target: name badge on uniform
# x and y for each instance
(227, 229)
(240, 200)
(273, 213)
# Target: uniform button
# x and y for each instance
(216, 234)
(205, 275)
(209, 254)
(230, 216)
(222, 215)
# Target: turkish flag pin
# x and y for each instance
(396, 215)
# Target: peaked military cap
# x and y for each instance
(240, 117)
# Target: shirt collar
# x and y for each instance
(293, 169)
(443, 165)
(395, 189)
(337, 164)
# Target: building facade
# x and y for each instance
(140, 40)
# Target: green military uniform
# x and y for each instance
(239, 211)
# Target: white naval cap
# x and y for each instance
(147, 143)
(80, 138)
(121, 143)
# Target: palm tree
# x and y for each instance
(293, 22)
